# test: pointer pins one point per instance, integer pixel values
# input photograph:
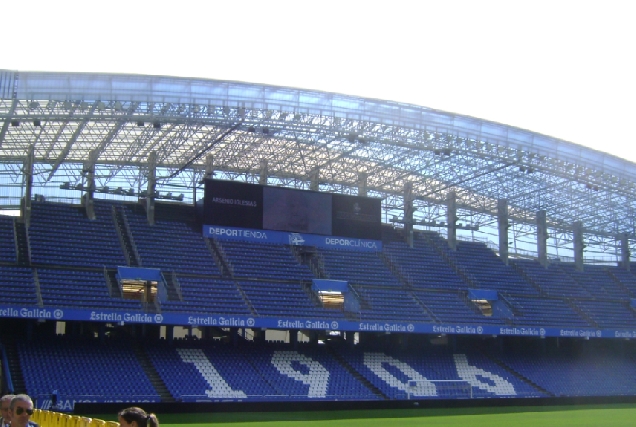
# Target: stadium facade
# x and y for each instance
(148, 203)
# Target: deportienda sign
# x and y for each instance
(286, 238)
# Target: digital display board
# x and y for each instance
(237, 204)
(354, 216)
(299, 211)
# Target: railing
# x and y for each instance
(265, 397)
(109, 283)
(15, 239)
(177, 285)
(38, 292)
(130, 237)
(5, 369)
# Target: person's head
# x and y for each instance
(20, 410)
(5, 402)
(137, 417)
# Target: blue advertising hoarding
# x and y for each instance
(185, 319)
(287, 238)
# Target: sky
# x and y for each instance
(561, 68)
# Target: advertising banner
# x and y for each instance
(185, 319)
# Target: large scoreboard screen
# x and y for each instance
(237, 204)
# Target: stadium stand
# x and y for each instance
(84, 369)
(282, 298)
(427, 283)
(62, 235)
(17, 286)
(208, 295)
(7, 240)
(72, 288)
(586, 371)
(172, 245)
(263, 261)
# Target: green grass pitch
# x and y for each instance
(548, 416)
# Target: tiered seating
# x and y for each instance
(264, 261)
(208, 296)
(61, 234)
(17, 286)
(422, 266)
(390, 304)
(486, 270)
(170, 245)
(448, 307)
(81, 289)
(391, 370)
(609, 314)
(203, 370)
(7, 240)
(364, 268)
(310, 372)
(84, 369)
(568, 373)
(284, 299)
(545, 312)
(627, 279)
(596, 280)
(552, 281)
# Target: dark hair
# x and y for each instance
(143, 418)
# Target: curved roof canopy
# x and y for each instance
(298, 135)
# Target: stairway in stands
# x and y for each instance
(22, 244)
(19, 386)
(125, 237)
(173, 286)
(356, 374)
(152, 374)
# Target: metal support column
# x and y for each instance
(451, 219)
(89, 171)
(28, 186)
(314, 180)
(152, 187)
(362, 184)
(625, 252)
(503, 225)
(263, 172)
(577, 229)
(542, 238)
(408, 213)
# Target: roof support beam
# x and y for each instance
(69, 144)
(7, 122)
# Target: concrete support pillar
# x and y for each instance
(408, 213)
(503, 225)
(451, 219)
(263, 172)
(625, 252)
(152, 187)
(259, 335)
(293, 338)
(209, 167)
(577, 230)
(25, 208)
(350, 338)
(542, 238)
(314, 180)
(362, 184)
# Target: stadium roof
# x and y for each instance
(297, 134)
